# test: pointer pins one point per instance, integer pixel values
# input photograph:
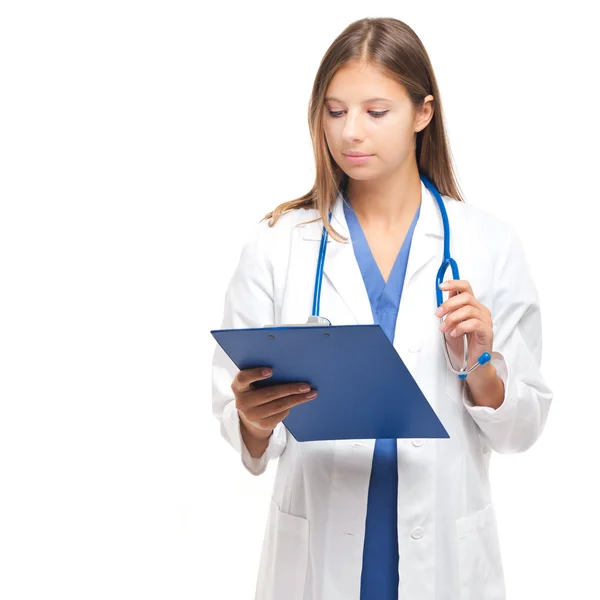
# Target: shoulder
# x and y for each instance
(485, 240)
(478, 225)
(289, 224)
(266, 240)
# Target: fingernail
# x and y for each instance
(311, 395)
(266, 372)
(304, 388)
(443, 284)
(439, 312)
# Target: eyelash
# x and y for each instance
(376, 114)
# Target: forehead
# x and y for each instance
(362, 83)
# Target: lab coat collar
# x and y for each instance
(342, 268)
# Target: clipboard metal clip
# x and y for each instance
(317, 320)
(312, 320)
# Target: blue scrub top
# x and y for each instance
(380, 577)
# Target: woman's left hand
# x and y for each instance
(465, 314)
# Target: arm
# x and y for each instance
(514, 424)
(254, 440)
(248, 303)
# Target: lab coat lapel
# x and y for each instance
(428, 231)
(343, 271)
(417, 306)
(341, 266)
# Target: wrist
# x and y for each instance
(482, 375)
(247, 428)
(485, 387)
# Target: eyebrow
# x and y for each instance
(328, 98)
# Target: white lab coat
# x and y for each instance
(447, 533)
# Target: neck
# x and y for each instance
(386, 202)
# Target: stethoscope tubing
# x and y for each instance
(447, 261)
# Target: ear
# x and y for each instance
(424, 114)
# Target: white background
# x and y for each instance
(139, 142)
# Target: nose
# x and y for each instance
(352, 130)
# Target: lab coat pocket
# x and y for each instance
(481, 575)
(284, 561)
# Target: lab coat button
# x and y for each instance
(417, 443)
(414, 347)
(417, 534)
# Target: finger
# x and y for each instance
(271, 421)
(457, 299)
(455, 302)
(470, 326)
(265, 395)
(265, 411)
(245, 377)
(460, 314)
(458, 285)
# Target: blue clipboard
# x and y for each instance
(364, 389)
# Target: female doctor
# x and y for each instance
(378, 519)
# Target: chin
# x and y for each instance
(359, 173)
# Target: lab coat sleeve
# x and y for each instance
(248, 303)
(517, 352)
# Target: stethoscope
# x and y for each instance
(448, 261)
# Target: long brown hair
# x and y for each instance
(394, 47)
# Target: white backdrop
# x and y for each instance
(139, 141)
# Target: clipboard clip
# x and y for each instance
(316, 320)
(312, 320)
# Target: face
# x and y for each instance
(385, 129)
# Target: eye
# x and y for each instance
(374, 113)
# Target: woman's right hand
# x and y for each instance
(261, 409)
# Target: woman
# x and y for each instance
(386, 519)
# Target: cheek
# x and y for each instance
(395, 149)
(394, 138)
(330, 137)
